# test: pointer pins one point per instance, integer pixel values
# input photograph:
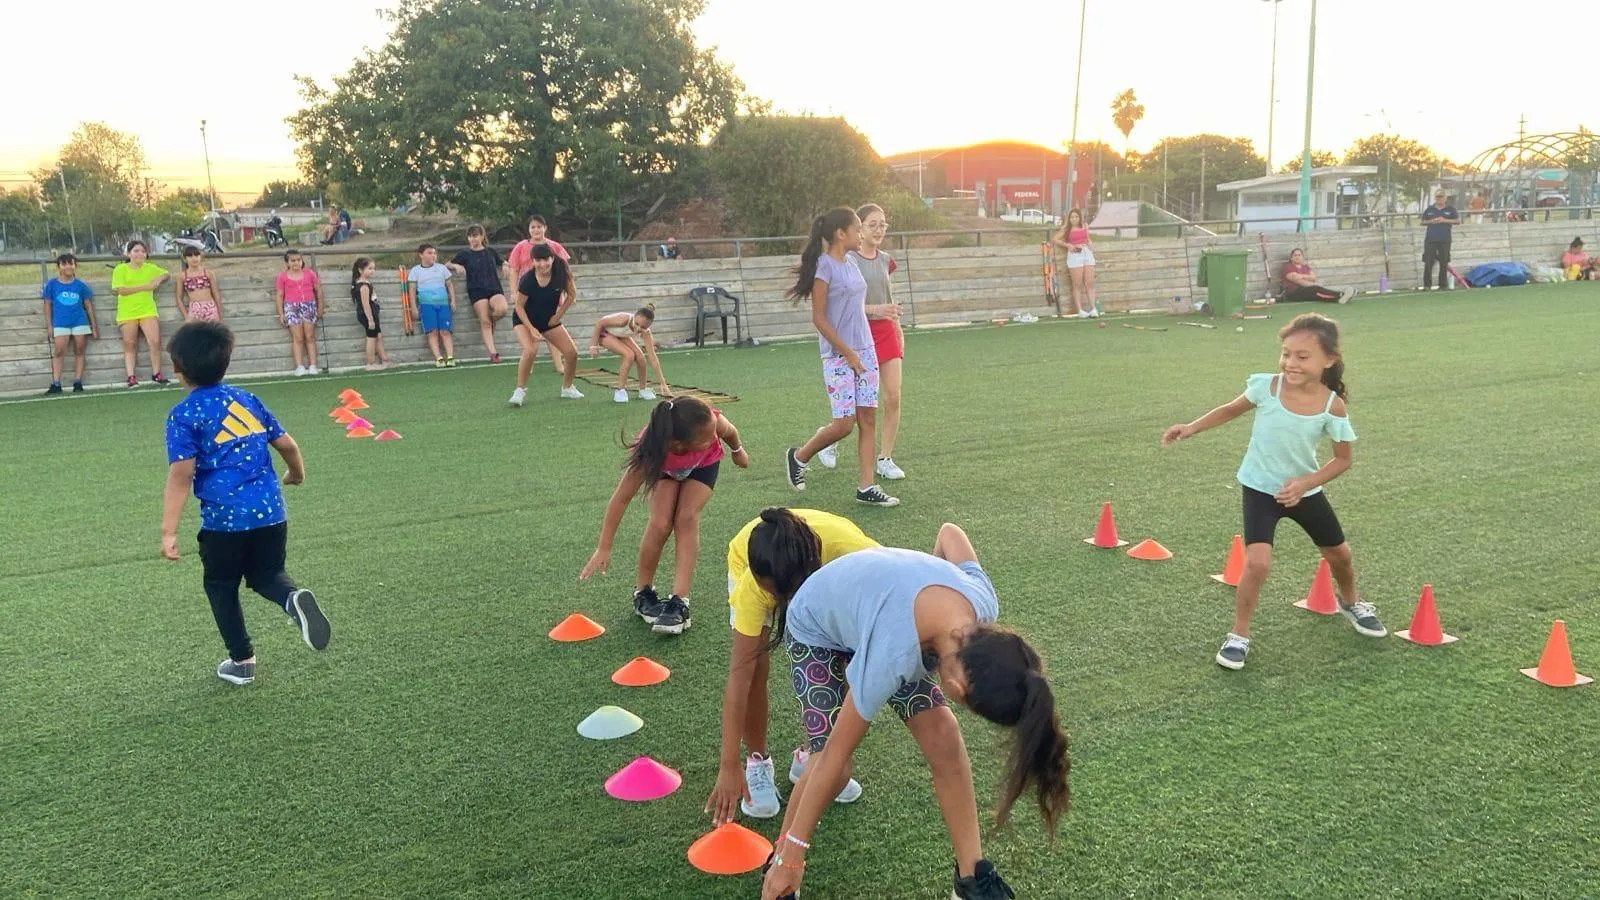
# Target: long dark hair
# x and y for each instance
(823, 229)
(1006, 685)
(355, 269)
(785, 551)
(1326, 331)
(1067, 222)
(678, 419)
(560, 272)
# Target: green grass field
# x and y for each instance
(431, 751)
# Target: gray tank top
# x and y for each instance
(876, 273)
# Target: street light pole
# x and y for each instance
(1272, 83)
(67, 199)
(1077, 87)
(1305, 153)
(206, 147)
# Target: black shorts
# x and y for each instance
(540, 324)
(372, 328)
(1314, 514)
(706, 475)
(483, 293)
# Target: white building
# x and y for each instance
(1335, 191)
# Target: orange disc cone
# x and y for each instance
(358, 433)
(1105, 531)
(357, 403)
(729, 849)
(1555, 666)
(1149, 550)
(335, 412)
(388, 434)
(641, 672)
(577, 627)
(348, 394)
(343, 416)
(1321, 600)
(1425, 628)
(1234, 569)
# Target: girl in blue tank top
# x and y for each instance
(1280, 476)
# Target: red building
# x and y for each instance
(1004, 175)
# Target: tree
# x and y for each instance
(1405, 167)
(1126, 111)
(502, 107)
(99, 176)
(22, 220)
(1320, 159)
(1208, 159)
(778, 172)
(287, 193)
(172, 213)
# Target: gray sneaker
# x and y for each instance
(796, 470)
(873, 495)
(313, 625)
(1364, 616)
(1234, 649)
(236, 672)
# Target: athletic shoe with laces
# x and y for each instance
(1364, 616)
(828, 456)
(620, 395)
(494, 359)
(796, 470)
(1346, 294)
(160, 379)
(77, 387)
(438, 362)
(887, 469)
(570, 393)
(54, 388)
(1233, 652)
(984, 884)
(304, 612)
(517, 396)
(760, 779)
(449, 363)
(647, 605)
(299, 371)
(646, 394)
(236, 672)
(872, 495)
(133, 381)
(674, 618)
(313, 370)
(850, 793)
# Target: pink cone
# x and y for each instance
(643, 779)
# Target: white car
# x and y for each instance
(1032, 217)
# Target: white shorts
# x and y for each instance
(74, 331)
(1081, 259)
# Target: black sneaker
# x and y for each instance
(54, 388)
(303, 611)
(874, 496)
(647, 604)
(160, 379)
(1364, 616)
(796, 469)
(674, 618)
(77, 387)
(236, 672)
(1234, 650)
(985, 884)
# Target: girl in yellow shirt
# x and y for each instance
(134, 283)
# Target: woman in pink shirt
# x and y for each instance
(1300, 283)
(1575, 263)
(1074, 238)
(517, 265)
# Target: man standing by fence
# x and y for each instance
(1440, 218)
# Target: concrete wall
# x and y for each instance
(944, 285)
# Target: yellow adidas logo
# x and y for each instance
(240, 424)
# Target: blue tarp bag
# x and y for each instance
(1500, 274)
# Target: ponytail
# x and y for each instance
(355, 269)
(785, 551)
(1006, 685)
(1333, 377)
(823, 229)
(677, 419)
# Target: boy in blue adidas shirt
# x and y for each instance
(68, 316)
(217, 440)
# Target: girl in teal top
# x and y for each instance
(1294, 409)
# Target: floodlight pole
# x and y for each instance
(206, 149)
(1305, 153)
(1272, 83)
(1077, 87)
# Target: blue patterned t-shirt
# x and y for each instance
(227, 432)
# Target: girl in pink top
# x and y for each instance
(198, 297)
(1575, 263)
(1074, 238)
(517, 265)
(674, 460)
(299, 296)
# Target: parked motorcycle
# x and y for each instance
(203, 236)
(272, 231)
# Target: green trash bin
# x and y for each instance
(1222, 272)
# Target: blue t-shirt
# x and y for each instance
(226, 431)
(865, 603)
(66, 302)
(1283, 444)
(847, 310)
(430, 283)
(1439, 231)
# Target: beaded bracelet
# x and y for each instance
(794, 840)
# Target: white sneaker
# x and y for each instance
(570, 393)
(620, 395)
(299, 371)
(887, 469)
(797, 768)
(828, 456)
(311, 370)
(1083, 314)
(517, 396)
(760, 779)
(646, 394)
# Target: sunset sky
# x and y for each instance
(907, 73)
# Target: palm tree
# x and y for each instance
(1126, 111)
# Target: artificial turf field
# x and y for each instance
(431, 751)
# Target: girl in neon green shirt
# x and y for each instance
(134, 283)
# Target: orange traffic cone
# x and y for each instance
(1425, 628)
(577, 627)
(343, 416)
(730, 849)
(358, 433)
(1321, 600)
(1555, 666)
(356, 403)
(641, 672)
(1149, 550)
(1234, 569)
(1105, 531)
(348, 394)
(388, 434)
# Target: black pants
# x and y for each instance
(1306, 292)
(1435, 251)
(256, 556)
